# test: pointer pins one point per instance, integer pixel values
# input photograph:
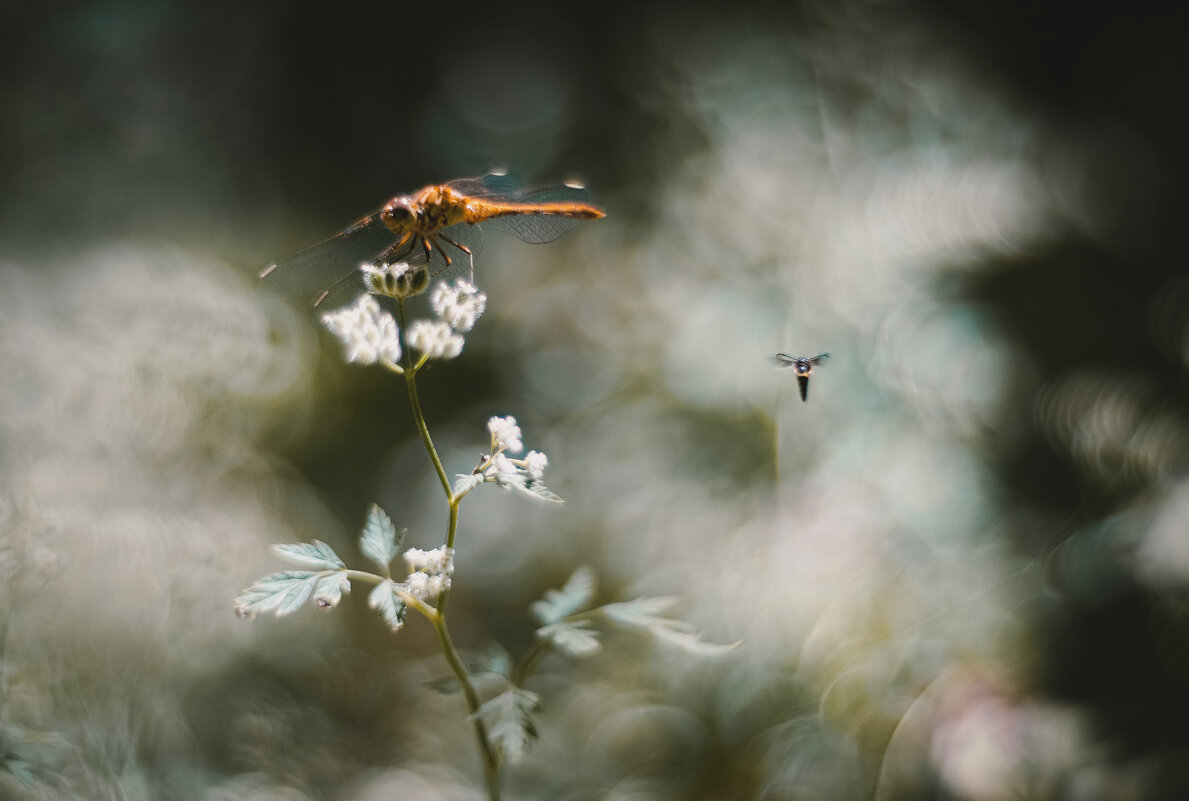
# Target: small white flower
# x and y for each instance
(502, 464)
(416, 585)
(439, 560)
(505, 433)
(398, 280)
(429, 571)
(460, 305)
(535, 463)
(368, 332)
(435, 339)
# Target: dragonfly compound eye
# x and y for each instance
(397, 214)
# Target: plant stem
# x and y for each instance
(415, 402)
(491, 765)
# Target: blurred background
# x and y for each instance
(959, 571)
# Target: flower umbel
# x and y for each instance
(398, 280)
(460, 305)
(434, 339)
(505, 434)
(429, 572)
(367, 332)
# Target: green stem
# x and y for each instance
(491, 765)
(415, 403)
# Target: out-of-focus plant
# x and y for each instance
(500, 708)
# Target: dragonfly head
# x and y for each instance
(398, 215)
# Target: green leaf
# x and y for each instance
(573, 638)
(379, 541)
(521, 483)
(578, 591)
(330, 588)
(691, 641)
(318, 555)
(280, 593)
(390, 606)
(508, 718)
(644, 613)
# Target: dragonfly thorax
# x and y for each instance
(422, 213)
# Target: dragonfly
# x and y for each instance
(417, 228)
(802, 366)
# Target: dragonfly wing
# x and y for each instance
(536, 229)
(323, 265)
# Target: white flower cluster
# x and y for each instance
(429, 572)
(370, 333)
(505, 434)
(367, 331)
(457, 308)
(434, 339)
(460, 305)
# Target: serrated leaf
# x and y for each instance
(390, 606)
(642, 613)
(330, 588)
(508, 718)
(378, 541)
(691, 641)
(280, 593)
(526, 486)
(494, 660)
(574, 596)
(317, 555)
(574, 638)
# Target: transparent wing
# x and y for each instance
(784, 361)
(818, 359)
(323, 265)
(326, 273)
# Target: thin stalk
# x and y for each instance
(491, 765)
(415, 403)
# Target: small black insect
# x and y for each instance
(803, 366)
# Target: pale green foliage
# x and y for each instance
(575, 595)
(508, 718)
(379, 541)
(279, 593)
(385, 600)
(644, 614)
(527, 486)
(573, 638)
(317, 555)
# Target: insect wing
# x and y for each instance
(327, 273)
(784, 361)
(326, 264)
(818, 359)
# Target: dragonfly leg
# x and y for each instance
(464, 249)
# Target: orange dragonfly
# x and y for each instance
(415, 228)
